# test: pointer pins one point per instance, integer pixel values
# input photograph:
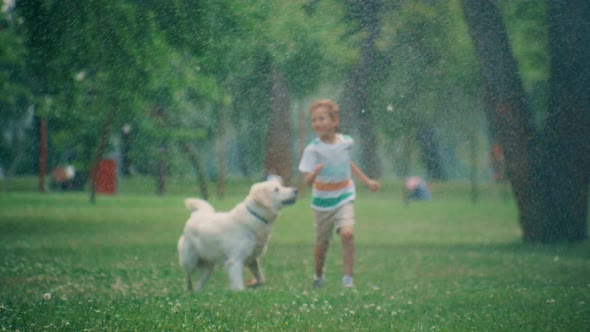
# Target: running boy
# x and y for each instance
(326, 164)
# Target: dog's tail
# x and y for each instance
(195, 204)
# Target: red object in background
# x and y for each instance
(498, 162)
(106, 177)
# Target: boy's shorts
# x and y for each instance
(324, 221)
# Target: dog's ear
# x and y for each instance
(260, 195)
(276, 178)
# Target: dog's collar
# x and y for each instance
(256, 215)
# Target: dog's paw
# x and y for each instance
(253, 283)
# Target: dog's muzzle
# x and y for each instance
(291, 200)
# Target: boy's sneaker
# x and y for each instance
(318, 282)
(347, 282)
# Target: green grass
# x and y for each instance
(444, 265)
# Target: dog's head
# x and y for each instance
(272, 194)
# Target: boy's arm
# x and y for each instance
(358, 173)
(309, 177)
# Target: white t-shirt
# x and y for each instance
(334, 186)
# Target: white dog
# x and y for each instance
(234, 239)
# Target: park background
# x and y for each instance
(204, 98)
(220, 88)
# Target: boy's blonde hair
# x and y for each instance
(328, 104)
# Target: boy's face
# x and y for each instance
(322, 123)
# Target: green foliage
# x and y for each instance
(433, 69)
(307, 46)
(125, 47)
(14, 90)
(528, 33)
(181, 22)
(444, 265)
(15, 94)
(113, 56)
(251, 106)
(431, 82)
(78, 60)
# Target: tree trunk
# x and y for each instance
(42, 152)
(430, 150)
(473, 173)
(126, 149)
(356, 113)
(161, 170)
(278, 157)
(301, 126)
(358, 86)
(195, 161)
(162, 163)
(221, 153)
(537, 167)
(407, 163)
(568, 125)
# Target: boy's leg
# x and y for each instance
(320, 251)
(324, 226)
(347, 238)
(345, 226)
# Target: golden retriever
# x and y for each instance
(233, 239)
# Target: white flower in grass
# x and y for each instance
(47, 296)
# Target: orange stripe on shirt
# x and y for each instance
(331, 186)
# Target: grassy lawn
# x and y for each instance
(444, 265)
